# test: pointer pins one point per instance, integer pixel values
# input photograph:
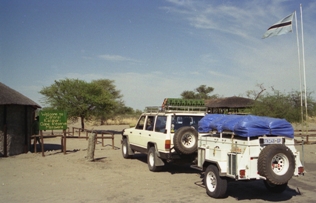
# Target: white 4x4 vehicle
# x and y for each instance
(165, 134)
(243, 148)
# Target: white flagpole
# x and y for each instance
(299, 66)
(303, 61)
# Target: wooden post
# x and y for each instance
(42, 142)
(62, 143)
(96, 139)
(102, 140)
(34, 144)
(112, 140)
(5, 140)
(64, 147)
(91, 146)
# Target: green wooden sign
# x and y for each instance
(52, 120)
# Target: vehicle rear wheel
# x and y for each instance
(185, 140)
(276, 162)
(275, 188)
(125, 148)
(215, 185)
(151, 160)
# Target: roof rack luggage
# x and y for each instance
(179, 105)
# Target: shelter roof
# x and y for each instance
(229, 102)
(9, 96)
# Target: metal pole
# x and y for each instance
(299, 66)
(303, 60)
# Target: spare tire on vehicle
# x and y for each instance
(277, 163)
(185, 140)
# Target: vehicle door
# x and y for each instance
(147, 131)
(135, 137)
(158, 135)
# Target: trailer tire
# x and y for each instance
(185, 140)
(276, 163)
(215, 185)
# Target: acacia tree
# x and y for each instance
(282, 105)
(254, 94)
(108, 86)
(202, 92)
(78, 98)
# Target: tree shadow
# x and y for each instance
(47, 147)
(56, 148)
(107, 131)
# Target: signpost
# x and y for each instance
(53, 120)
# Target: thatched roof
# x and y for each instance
(229, 102)
(10, 96)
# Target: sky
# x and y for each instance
(156, 49)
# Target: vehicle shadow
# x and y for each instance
(254, 190)
(172, 168)
(246, 190)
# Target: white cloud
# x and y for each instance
(116, 58)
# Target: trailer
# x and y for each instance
(246, 148)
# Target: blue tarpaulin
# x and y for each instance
(246, 125)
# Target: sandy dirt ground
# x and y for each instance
(110, 178)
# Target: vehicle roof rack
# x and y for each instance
(183, 102)
(175, 105)
(176, 109)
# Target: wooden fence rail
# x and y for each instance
(305, 135)
(71, 134)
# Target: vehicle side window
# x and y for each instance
(150, 123)
(141, 122)
(160, 124)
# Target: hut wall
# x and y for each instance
(1, 129)
(19, 120)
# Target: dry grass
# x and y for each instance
(123, 121)
(131, 121)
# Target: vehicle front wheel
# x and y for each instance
(125, 148)
(151, 160)
(215, 185)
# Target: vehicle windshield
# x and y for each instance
(179, 121)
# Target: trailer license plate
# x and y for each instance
(272, 140)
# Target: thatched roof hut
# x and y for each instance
(17, 115)
(219, 105)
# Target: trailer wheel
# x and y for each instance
(151, 160)
(125, 148)
(276, 162)
(275, 188)
(185, 140)
(215, 185)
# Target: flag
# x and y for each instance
(282, 27)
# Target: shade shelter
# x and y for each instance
(228, 104)
(16, 118)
